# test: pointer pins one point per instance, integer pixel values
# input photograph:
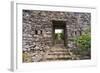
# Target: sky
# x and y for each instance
(58, 30)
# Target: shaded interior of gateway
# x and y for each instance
(59, 25)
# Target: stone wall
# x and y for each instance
(37, 27)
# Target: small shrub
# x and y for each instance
(83, 44)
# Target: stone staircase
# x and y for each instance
(59, 52)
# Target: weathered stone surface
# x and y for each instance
(37, 28)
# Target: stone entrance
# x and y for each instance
(59, 24)
(59, 49)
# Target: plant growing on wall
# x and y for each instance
(83, 43)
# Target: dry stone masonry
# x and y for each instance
(38, 31)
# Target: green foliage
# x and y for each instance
(83, 43)
(59, 34)
(62, 35)
(56, 36)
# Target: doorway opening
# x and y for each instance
(59, 36)
(59, 33)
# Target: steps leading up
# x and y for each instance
(58, 52)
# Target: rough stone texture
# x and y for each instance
(37, 29)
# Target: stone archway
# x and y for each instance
(59, 24)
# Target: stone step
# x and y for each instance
(52, 56)
(61, 57)
(59, 53)
(60, 50)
